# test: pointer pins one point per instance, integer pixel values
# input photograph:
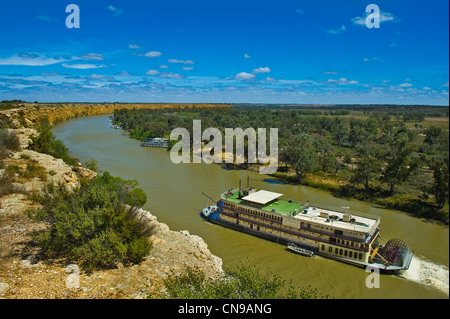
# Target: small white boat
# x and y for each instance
(299, 250)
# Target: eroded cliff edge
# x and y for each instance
(24, 275)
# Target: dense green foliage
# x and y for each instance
(400, 112)
(45, 142)
(371, 153)
(240, 282)
(93, 225)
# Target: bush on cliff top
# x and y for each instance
(239, 282)
(46, 142)
(92, 226)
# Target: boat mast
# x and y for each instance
(209, 198)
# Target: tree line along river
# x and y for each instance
(174, 194)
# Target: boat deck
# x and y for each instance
(302, 211)
(281, 206)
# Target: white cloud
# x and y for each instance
(405, 85)
(269, 79)
(152, 72)
(83, 66)
(244, 76)
(371, 59)
(133, 46)
(247, 56)
(45, 18)
(188, 68)
(163, 66)
(329, 72)
(359, 21)
(93, 56)
(343, 81)
(97, 76)
(180, 61)
(115, 11)
(124, 73)
(172, 75)
(153, 54)
(50, 74)
(338, 30)
(299, 11)
(445, 84)
(261, 70)
(384, 17)
(30, 60)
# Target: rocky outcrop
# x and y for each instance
(24, 275)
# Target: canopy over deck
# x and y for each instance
(262, 197)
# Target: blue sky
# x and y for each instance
(230, 51)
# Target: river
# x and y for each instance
(174, 193)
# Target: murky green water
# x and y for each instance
(175, 196)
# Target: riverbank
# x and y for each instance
(408, 203)
(25, 274)
(378, 160)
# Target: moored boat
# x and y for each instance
(299, 250)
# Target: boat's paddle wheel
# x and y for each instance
(394, 252)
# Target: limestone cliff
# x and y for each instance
(23, 275)
(27, 114)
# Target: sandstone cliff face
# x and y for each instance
(23, 275)
(27, 114)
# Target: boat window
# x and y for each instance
(350, 254)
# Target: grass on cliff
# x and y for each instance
(93, 226)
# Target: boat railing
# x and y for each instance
(289, 231)
(303, 228)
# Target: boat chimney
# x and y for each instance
(240, 188)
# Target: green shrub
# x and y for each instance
(240, 282)
(93, 226)
(132, 196)
(92, 165)
(9, 140)
(46, 142)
